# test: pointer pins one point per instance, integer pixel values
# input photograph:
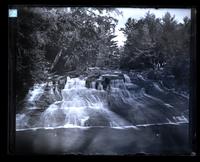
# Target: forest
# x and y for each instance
(59, 40)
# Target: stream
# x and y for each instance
(111, 113)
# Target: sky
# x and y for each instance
(137, 13)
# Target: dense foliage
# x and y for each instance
(58, 40)
(63, 39)
(158, 44)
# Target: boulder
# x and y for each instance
(91, 79)
(45, 100)
(152, 75)
(97, 119)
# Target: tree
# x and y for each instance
(141, 48)
(158, 44)
(62, 39)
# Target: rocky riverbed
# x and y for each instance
(103, 112)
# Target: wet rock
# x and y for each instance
(97, 120)
(117, 105)
(152, 75)
(61, 83)
(169, 81)
(45, 100)
(103, 80)
(91, 79)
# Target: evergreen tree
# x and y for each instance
(62, 39)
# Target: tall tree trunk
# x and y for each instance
(56, 60)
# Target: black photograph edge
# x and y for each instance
(193, 128)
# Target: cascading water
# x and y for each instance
(111, 100)
(34, 94)
(111, 113)
(80, 107)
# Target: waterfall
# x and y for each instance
(80, 107)
(36, 92)
(127, 78)
(110, 100)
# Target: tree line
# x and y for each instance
(63, 39)
(161, 44)
(154, 42)
(57, 40)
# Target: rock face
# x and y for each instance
(104, 101)
(45, 100)
(40, 96)
(156, 140)
(90, 80)
(106, 98)
(102, 81)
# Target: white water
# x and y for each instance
(137, 127)
(83, 107)
(127, 79)
(34, 95)
(79, 105)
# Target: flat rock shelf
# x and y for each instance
(112, 113)
(154, 139)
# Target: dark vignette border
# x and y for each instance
(10, 149)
